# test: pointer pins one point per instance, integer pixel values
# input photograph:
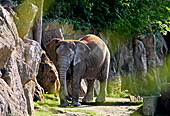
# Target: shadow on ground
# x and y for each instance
(113, 103)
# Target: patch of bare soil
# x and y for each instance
(112, 107)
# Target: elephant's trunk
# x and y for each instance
(62, 68)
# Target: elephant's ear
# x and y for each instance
(51, 49)
(82, 52)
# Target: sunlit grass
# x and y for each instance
(50, 101)
(48, 107)
(51, 107)
(84, 111)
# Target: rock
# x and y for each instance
(28, 55)
(140, 60)
(39, 93)
(25, 71)
(139, 81)
(30, 103)
(50, 34)
(26, 13)
(127, 54)
(67, 30)
(161, 49)
(8, 36)
(47, 75)
(32, 55)
(150, 46)
(125, 61)
(113, 69)
(19, 64)
(13, 95)
(31, 87)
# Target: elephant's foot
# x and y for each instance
(87, 99)
(68, 98)
(100, 99)
(75, 104)
(64, 103)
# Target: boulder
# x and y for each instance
(47, 75)
(50, 34)
(32, 55)
(26, 13)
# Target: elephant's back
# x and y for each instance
(98, 48)
(93, 41)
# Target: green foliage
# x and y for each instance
(16, 2)
(123, 94)
(128, 17)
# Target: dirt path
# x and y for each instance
(112, 107)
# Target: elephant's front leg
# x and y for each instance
(63, 99)
(78, 71)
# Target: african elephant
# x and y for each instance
(87, 58)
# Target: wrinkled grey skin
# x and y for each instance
(88, 58)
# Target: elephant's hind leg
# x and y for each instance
(103, 81)
(90, 91)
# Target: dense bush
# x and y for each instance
(128, 17)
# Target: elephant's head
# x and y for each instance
(63, 53)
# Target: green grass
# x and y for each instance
(47, 108)
(51, 107)
(84, 111)
(50, 101)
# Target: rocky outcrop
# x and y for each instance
(19, 64)
(139, 63)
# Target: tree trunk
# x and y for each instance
(37, 31)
